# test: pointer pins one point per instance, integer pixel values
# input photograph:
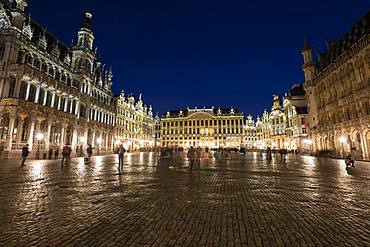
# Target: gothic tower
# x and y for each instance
(308, 63)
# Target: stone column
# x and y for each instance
(65, 107)
(28, 91)
(364, 146)
(71, 106)
(74, 138)
(86, 133)
(37, 94)
(18, 87)
(93, 138)
(45, 98)
(52, 100)
(59, 102)
(77, 109)
(106, 141)
(62, 136)
(12, 118)
(47, 136)
(20, 129)
(32, 132)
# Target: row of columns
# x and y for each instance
(321, 144)
(35, 127)
(102, 116)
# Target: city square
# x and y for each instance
(184, 123)
(242, 201)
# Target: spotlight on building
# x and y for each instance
(342, 139)
(82, 139)
(98, 141)
(40, 136)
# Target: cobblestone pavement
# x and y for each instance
(301, 202)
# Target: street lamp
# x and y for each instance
(39, 137)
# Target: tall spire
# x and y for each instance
(306, 44)
(85, 34)
(87, 24)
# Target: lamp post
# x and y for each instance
(39, 137)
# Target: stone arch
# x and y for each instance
(366, 144)
(4, 124)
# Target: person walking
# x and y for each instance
(89, 152)
(121, 153)
(50, 153)
(192, 154)
(56, 154)
(67, 150)
(25, 153)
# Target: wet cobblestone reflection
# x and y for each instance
(240, 202)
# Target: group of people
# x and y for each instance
(283, 153)
(66, 154)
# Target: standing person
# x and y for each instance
(50, 153)
(191, 156)
(89, 152)
(56, 153)
(25, 153)
(67, 150)
(281, 152)
(268, 154)
(199, 154)
(121, 153)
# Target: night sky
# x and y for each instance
(182, 53)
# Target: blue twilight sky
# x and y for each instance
(180, 53)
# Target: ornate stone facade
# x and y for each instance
(285, 126)
(212, 128)
(250, 132)
(338, 92)
(135, 125)
(51, 94)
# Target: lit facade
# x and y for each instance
(212, 128)
(286, 125)
(338, 93)
(135, 125)
(60, 93)
(250, 132)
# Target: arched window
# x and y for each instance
(63, 78)
(28, 59)
(62, 103)
(44, 67)
(68, 81)
(32, 95)
(4, 125)
(41, 96)
(57, 74)
(36, 63)
(23, 91)
(20, 56)
(51, 71)
(48, 99)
